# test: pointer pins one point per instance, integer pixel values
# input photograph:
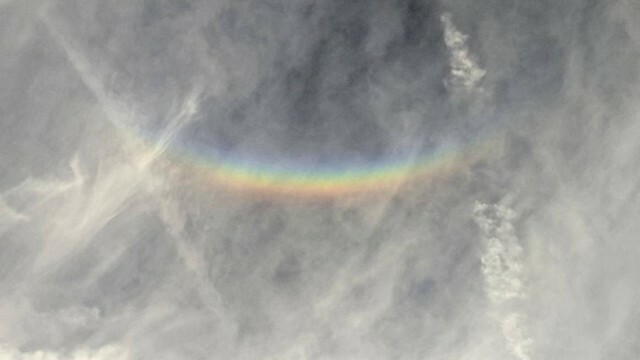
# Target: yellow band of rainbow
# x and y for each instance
(325, 182)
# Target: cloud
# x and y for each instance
(111, 247)
(109, 352)
(504, 275)
(466, 74)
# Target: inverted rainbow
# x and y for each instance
(308, 180)
(302, 180)
(297, 180)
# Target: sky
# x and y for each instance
(319, 179)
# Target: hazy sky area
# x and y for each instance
(319, 179)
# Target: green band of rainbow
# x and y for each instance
(302, 181)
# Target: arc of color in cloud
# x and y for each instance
(297, 180)
(301, 180)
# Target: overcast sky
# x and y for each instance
(136, 137)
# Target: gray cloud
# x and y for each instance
(114, 246)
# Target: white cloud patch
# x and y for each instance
(109, 352)
(466, 74)
(503, 272)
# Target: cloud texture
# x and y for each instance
(116, 244)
